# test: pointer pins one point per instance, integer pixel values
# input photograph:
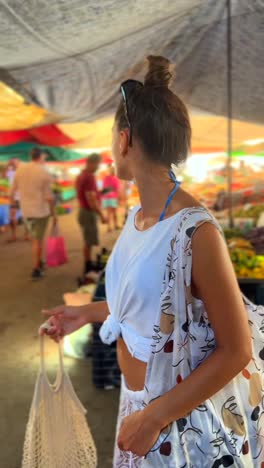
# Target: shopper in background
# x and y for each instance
(90, 207)
(33, 183)
(111, 190)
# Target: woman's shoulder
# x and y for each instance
(194, 217)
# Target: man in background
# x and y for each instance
(90, 207)
(33, 183)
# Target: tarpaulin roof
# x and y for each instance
(69, 56)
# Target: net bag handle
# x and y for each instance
(61, 369)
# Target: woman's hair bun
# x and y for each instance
(160, 72)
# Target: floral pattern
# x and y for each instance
(227, 429)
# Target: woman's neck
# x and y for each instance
(154, 185)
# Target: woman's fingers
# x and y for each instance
(54, 312)
(57, 319)
(51, 327)
(53, 333)
(49, 331)
(42, 332)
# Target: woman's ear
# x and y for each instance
(123, 143)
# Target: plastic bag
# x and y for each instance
(55, 249)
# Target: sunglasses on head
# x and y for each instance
(125, 89)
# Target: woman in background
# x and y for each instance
(111, 188)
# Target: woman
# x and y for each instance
(173, 304)
(111, 187)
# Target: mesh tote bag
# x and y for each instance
(57, 434)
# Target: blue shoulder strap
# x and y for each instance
(174, 190)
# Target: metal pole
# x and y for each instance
(229, 113)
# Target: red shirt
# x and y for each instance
(86, 182)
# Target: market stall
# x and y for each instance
(5, 201)
(204, 176)
(62, 174)
(4, 204)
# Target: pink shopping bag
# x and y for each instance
(55, 249)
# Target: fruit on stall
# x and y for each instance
(253, 211)
(232, 233)
(246, 263)
(240, 243)
(63, 209)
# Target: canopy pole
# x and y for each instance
(229, 113)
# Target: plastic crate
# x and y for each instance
(105, 369)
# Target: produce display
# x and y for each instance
(4, 191)
(246, 263)
(63, 209)
(250, 211)
(231, 233)
(65, 190)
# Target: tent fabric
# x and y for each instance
(46, 135)
(21, 151)
(15, 112)
(69, 56)
(209, 133)
(11, 138)
(51, 135)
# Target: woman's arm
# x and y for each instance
(215, 283)
(95, 312)
(64, 320)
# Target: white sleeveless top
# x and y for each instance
(134, 277)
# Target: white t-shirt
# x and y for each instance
(134, 276)
(33, 183)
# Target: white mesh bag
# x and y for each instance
(57, 434)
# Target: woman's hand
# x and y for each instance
(138, 433)
(62, 320)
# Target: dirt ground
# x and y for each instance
(20, 304)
